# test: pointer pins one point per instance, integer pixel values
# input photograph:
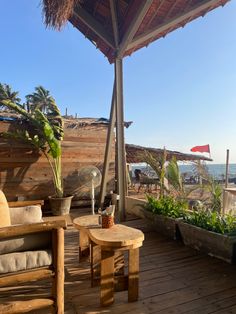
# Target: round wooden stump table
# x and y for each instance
(84, 223)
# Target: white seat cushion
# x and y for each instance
(35, 241)
(14, 262)
(25, 215)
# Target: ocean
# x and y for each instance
(216, 170)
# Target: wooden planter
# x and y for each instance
(162, 224)
(212, 243)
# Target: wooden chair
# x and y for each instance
(29, 252)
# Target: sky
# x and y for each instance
(179, 92)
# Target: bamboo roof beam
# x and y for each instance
(95, 26)
(177, 20)
(114, 22)
(133, 27)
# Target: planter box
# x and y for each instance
(214, 244)
(162, 224)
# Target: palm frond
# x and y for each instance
(6, 93)
(174, 176)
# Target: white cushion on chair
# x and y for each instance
(14, 262)
(26, 214)
(35, 241)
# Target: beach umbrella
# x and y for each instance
(118, 28)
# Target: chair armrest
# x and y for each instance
(25, 203)
(19, 230)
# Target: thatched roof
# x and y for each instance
(124, 26)
(70, 121)
(135, 154)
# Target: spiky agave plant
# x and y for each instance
(44, 133)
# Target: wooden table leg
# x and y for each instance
(84, 245)
(107, 278)
(133, 276)
(95, 264)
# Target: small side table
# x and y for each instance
(115, 239)
(92, 250)
(83, 223)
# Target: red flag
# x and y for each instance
(201, 149)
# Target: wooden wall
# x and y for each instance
(25, 173)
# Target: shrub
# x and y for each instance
(167, 206)
(212, 221)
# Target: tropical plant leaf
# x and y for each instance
(174, 176)
(42, 131)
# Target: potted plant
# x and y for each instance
(210, 232)
(43, 129)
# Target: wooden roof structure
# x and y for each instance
(135, 154)
(119, 28)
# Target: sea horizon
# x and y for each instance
(217, 170)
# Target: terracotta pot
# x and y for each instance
(60, 205)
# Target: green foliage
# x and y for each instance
(40, 99)
(158, 165)
(174, 176)
(216, 197)
(212, 221)
(214, 202)
(166, 206)
(42, 131)
(6, 93)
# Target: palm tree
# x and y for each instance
(174, 177)
(214, 202)
(158, 165)
(6, 93)
(40, 99)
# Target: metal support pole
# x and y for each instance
(110, 136)
(227, 169)
(225, 192)
(120, 154)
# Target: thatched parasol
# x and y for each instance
(57, 12)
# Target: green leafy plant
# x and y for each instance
(214, 201)
(174, 176)
(166, 206)
(212, 221)
(43, 132)
(158, 165)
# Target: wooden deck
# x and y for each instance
(173, 279)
